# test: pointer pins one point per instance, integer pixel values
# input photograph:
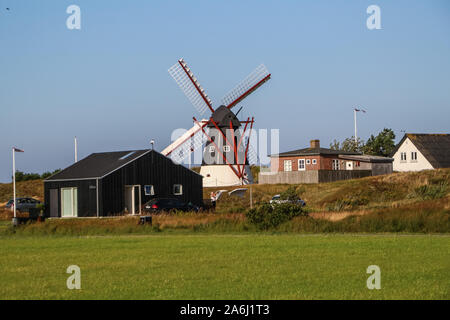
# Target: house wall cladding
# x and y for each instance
(86, 192)
(381, 168)
(312, 176)
(150, 169)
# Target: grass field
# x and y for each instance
(252, 266)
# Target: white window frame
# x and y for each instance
(152, 190)
(212, 149)
(74, 205)
(314, 161)
(402, 156)
(336, 164)
(413, 156)
(285, 166)
(308, 161)
(226, 149)
(303, 166)
(181, 189)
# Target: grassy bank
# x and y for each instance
(428, 218)
(387, 191)
(401, 202)
(226, 267)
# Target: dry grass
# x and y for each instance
(31, 189)
(358, 195)
(330, 201)
(336, 216)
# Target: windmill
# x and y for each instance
(227, 151)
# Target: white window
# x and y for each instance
(413, 156)
(149, 190)
(301, 164)
(314, 161)
(287, 165)
(177, 189)
(226, 148)
(403, 156)
(69, 202)
(211, 149)
(308, 161)
(335, 164)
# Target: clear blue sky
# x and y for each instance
(108, 83)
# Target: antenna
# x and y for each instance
(76, 149)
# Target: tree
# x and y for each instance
(335, 145)
(348, 145)
(381, 145)
(21, 176)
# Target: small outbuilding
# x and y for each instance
(114, 183)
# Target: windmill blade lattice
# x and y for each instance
(252, 156)
(194, 143)
(190, 86)
(252, 82)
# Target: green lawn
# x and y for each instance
(226, 267)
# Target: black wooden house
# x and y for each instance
(111, 183)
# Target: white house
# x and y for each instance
(416, 152)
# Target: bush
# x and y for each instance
(268, 216)
(21, 176)
(290, 194)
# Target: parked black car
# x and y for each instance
(23, 204)
(169, 204)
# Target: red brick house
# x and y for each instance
(316, 164)
(312, 158)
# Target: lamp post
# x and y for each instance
(14, 150)
(152, 142)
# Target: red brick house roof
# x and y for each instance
(313, 150)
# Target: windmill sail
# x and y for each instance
(190, 86)
(187, 143)
(253, 81)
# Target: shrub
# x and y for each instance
(268, 216)
(290, 193)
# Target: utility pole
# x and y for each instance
(14, 181)
(251, 197)
(355, 110)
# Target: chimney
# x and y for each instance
(315, 144)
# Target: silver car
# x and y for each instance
(276, 199)
(23, 204)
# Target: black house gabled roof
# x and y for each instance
(98, 165)
(313, 152)
(435, 147)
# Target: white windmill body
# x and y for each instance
(227, 154)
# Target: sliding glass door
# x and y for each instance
(69, 202)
